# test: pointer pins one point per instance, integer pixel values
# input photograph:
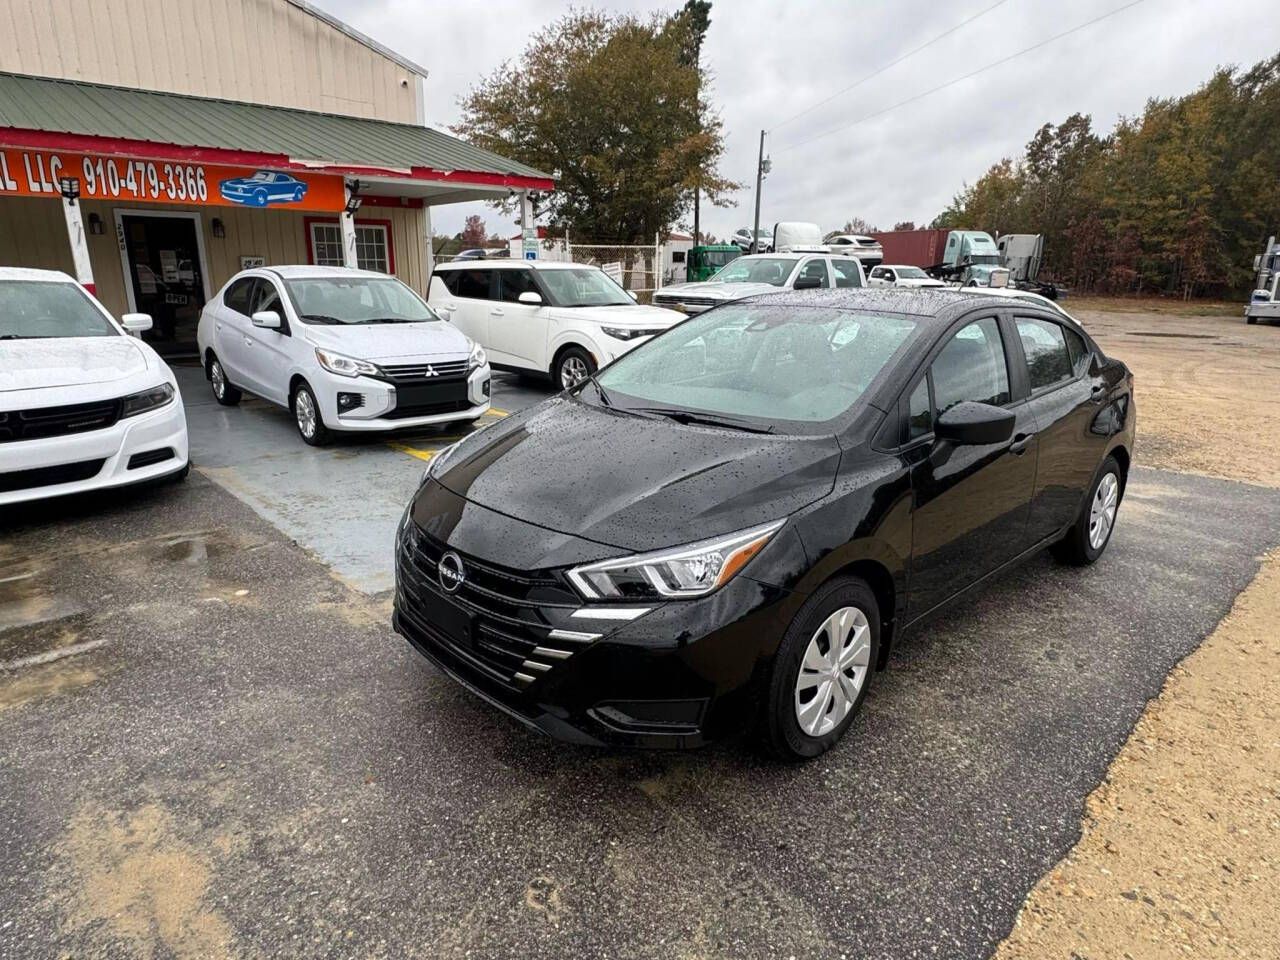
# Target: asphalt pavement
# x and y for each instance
(212, 744)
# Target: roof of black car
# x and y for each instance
(922, 302)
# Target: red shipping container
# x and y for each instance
(915, 248)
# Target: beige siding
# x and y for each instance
(261, 51)
(33, 233)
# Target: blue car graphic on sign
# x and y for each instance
(262, 188)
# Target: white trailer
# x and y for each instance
(1265, 302)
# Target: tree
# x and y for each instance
(607, 103)
(473, 232)
(905, 225)
(855, 225)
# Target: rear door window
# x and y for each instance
(476, 284)
(1045, 346)
(816, 267)
(846, 272)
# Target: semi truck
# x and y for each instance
(1264, 304)
(968, 258)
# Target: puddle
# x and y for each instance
(25, 603)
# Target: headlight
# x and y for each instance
(626, 333)
(434, 464)
(690, 571)
(345, 366)
(478, 357)
(137, 403)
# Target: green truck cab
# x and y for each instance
(701, 262)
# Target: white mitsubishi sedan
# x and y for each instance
(83, 405)
(344, 350)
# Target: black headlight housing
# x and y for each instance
(137, 403)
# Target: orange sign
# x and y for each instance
(36, 173)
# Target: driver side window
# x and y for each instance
(268, 298)
(971, 367)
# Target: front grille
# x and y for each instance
(40, 422)
(425, 372)
(497, 620)
(691, 301)
(49, 476)
(427, 409)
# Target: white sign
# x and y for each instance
(614, 270)
(252, 263)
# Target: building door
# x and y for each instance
(163, 264)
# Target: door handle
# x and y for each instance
(217, 326)
(1020, 443)
(248, 342)
(496, 313)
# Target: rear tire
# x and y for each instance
(813, 696)
(307, 417)
(1250, 319)
(223, 391)
(1090, 534)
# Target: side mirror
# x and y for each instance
(530, 297)
(136, 322)
(807, 283)
(633, 295)
(267, 319)
(974, 424)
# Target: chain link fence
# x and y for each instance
(637, 268)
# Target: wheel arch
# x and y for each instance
(572, 340)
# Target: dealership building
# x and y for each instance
(152, 157)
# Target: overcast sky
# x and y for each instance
(772, 60)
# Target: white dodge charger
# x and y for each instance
(83, 405)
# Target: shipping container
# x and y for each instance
(915, 248)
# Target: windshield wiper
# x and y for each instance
(707, 419)
(320, 318)
(604, 397)
(390, 320)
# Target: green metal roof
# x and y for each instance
(91, 109)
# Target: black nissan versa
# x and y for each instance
(729, 525)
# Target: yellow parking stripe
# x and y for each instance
(499, 413)
(444, 441)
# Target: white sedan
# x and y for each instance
(83, 405)
(901, 275)
(344, 350)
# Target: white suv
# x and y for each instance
(345, 350)
(545, 317)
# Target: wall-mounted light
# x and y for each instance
(353, 201)
(70, 187)
(95, 225)
(219, 228)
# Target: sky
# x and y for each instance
(769, 61)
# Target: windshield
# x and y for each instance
(771, 270)
(583, 287)
(336, 300)
(775, 365)
(911, 273)
(33, 309)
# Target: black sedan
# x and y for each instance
(729, 526)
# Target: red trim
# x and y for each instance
(360, 222)
(113, 146)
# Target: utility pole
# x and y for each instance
(760, 171)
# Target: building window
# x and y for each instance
(373, 245)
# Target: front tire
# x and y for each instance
(572, 366)
(823, 670)
(307, 416)
(223, 391)
(1090, 534)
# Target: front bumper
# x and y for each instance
(383, 405)
(31, 465)
(673, 675)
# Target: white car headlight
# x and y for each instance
(478, 357)
(345, 366)
(627, 333)
(137, 403)
(680, 572)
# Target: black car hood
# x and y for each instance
(637, 483)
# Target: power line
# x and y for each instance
(967, 76)
(870, 76)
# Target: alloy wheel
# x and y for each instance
(218, 379)
(573, 370)
(304, 409)
(833, 671)
(1102, 513)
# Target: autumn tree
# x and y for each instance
(473, 231)
(613, 105)
(905, 225)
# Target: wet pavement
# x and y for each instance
(211, 744)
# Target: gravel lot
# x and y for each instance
(238, 758)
